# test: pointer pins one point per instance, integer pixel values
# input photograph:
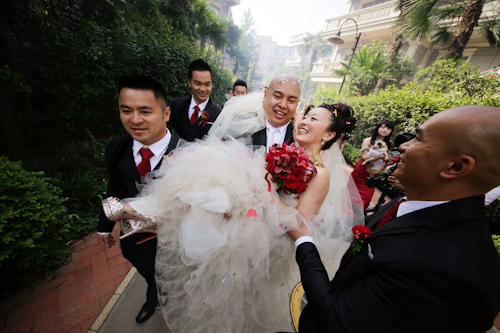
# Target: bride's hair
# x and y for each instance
(342, 121)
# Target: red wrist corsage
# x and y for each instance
(360, 233)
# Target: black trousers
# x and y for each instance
(142, 256)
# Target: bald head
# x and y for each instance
(282, 79)
(455, 155)
(474, 131)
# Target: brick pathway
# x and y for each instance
(72, 299)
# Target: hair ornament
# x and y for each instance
(347, 122)
(335, 112)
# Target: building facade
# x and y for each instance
(271, 57)
(376, 20)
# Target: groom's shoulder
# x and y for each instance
(117, 142)
(179, 101)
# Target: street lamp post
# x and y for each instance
(337, 40)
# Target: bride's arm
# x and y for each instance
(310, 201)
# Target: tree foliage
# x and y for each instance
(445, 84)
(62, 59)
(32, 229)
(448, 25)
(246, 51)
(315, 46)
(371, 63)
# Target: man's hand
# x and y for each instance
(106, 240)
(395, 182)
(297, 233)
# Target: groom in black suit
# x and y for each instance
(144, 115)
(193, 116)
(434, 267)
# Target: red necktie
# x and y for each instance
(194, 116)
(145, 167)
(390, 213)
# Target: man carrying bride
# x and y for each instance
(224, 262)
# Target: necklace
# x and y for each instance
(318, 163)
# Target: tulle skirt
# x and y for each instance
(224, 262)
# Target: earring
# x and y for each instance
(323, 142)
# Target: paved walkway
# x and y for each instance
(72, 299)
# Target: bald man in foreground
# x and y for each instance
(434, 267)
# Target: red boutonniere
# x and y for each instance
(360, 233)
(204, 118)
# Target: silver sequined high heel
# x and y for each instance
(114, 211)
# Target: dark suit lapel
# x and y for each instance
(434, 217)
(373, 220)
(288, 134)
(124, 155)
(260, 138)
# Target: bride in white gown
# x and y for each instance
(224, 261)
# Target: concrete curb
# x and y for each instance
(112, 301)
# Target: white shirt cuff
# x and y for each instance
(103, 233)
(303, 239)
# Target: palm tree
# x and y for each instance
(447, 26)
(206, 25)
(316, 46)
(370, 64)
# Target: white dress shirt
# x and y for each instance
(403, 209)
(202, 107)
(158, 149)
(491, 195)
(275, 134)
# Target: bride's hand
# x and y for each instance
(274, 186)
(302, 230)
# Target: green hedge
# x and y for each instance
(351, 154)
(32, 230)
(446, 84)
(496, 241)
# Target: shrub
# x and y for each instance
(493, 216)
(416, 102)
(32, 231)
(351, 154)
(496, 241)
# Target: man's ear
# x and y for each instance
(166, 114)
(460, 167)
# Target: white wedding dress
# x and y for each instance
(224, 261)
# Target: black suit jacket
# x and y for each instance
(260, 138)
(179, 119)
(433, 270)
(122, 172)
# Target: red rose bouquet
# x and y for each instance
(360, 233)
(289, 167)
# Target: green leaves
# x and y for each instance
(372, 63)
(31, 220)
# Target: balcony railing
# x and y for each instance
(293, 61)
(325, 68)
(378, 13)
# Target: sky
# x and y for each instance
(282, 19)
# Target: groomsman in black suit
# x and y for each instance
(281, 99)
(144, 115)
(434, 267)
(193, 116)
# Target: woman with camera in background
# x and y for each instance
(383, 132)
